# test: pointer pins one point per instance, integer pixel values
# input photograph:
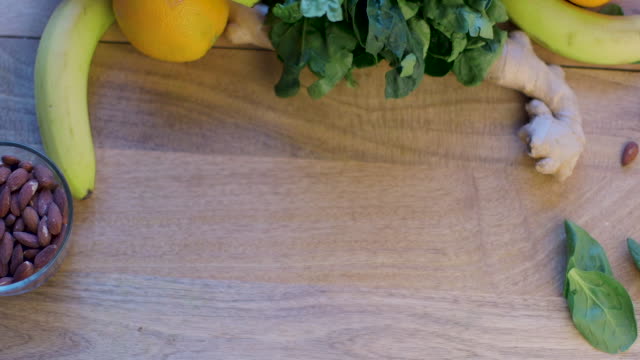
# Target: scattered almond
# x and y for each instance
(629, 153)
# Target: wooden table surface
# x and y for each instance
(230, 224)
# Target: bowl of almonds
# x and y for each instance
(36, 212)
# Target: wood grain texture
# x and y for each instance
(98, 316)
(27, 18)
(230, 224)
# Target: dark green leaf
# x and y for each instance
(479, 5)
(458, 44)
(409, 8)
(497, 12)
(439, 44)
(319, 8)
(358, 11)
(472, 65)
(289, 12)
(601, 310)
(437, 67)
(634, 249)
(397, 85)
(612, 9)
(362, 59)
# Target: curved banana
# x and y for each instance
(577, 33)
(61, 76)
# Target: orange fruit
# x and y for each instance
(172, 30)
(589, 3)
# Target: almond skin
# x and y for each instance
(27, 165)
(60, 198)
(17, 178)
(26, 239)
(15, 205)
(44, 235)
(2, 228)
(4, 270)
(23, 271)
(45, 256)
(5, 201)
(30, 254)
(26, 193)
(31, 219)
(54, 222)
(10, 160)
(44, 176)
(4, 174)
(6, 281)
(18, 225)
(45, 198)
(16, 258)
(6, 248)
(629, 153)
(9, 220)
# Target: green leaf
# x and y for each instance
(612, 9)
(408, 65)
(420, 30)
(584, 252)
(634, 249)
(319, 8)
(458, 44)
(479, 5)
(362, 59)
(497, 12)
(477, 24)
(437, 67)
(472, 65)
(601, 310)
(409, 8)
(398, 86)
(289, 12)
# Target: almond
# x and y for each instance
(16, 258)
(45, 177)
(27, 165)
(4, 270)
(60, 198)
(54, 222)
(23, 271)
(629, 153)
(17, 178)
(31, 219)
(31, 254)
(6, 248)
(44, 235)
(9, 220)
(26, 193)
(10, 160)
(5, 201)
(18, 225)
(2, 228)
(4, 174)
(15, 205)
(42, 202)
(6, 281)
(45, 256)
(26, 239)
(57, 240)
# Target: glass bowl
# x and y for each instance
(40, 276)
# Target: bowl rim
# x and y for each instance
(15, 288)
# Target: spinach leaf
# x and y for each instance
(634, 249)
(472, 65)
(387, 28)
(318, 8)
(584, 252)
(289, 12)
(497, 12)
(401, 82)
(409, 8)
(421, 31)
(437, 67)
(601, 310)
(612, 9)
(479, 5)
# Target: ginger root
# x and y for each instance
(554, 134)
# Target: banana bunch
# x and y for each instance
(577, 33)
(61, 76)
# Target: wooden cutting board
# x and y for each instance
(231, 224)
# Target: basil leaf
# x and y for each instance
(634, 249)
(584, 252)
(612, 9)
(601, 310)
(319, 8)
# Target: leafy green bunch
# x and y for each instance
(415, 37)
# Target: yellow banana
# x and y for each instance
(578, 33)
(61, 76)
